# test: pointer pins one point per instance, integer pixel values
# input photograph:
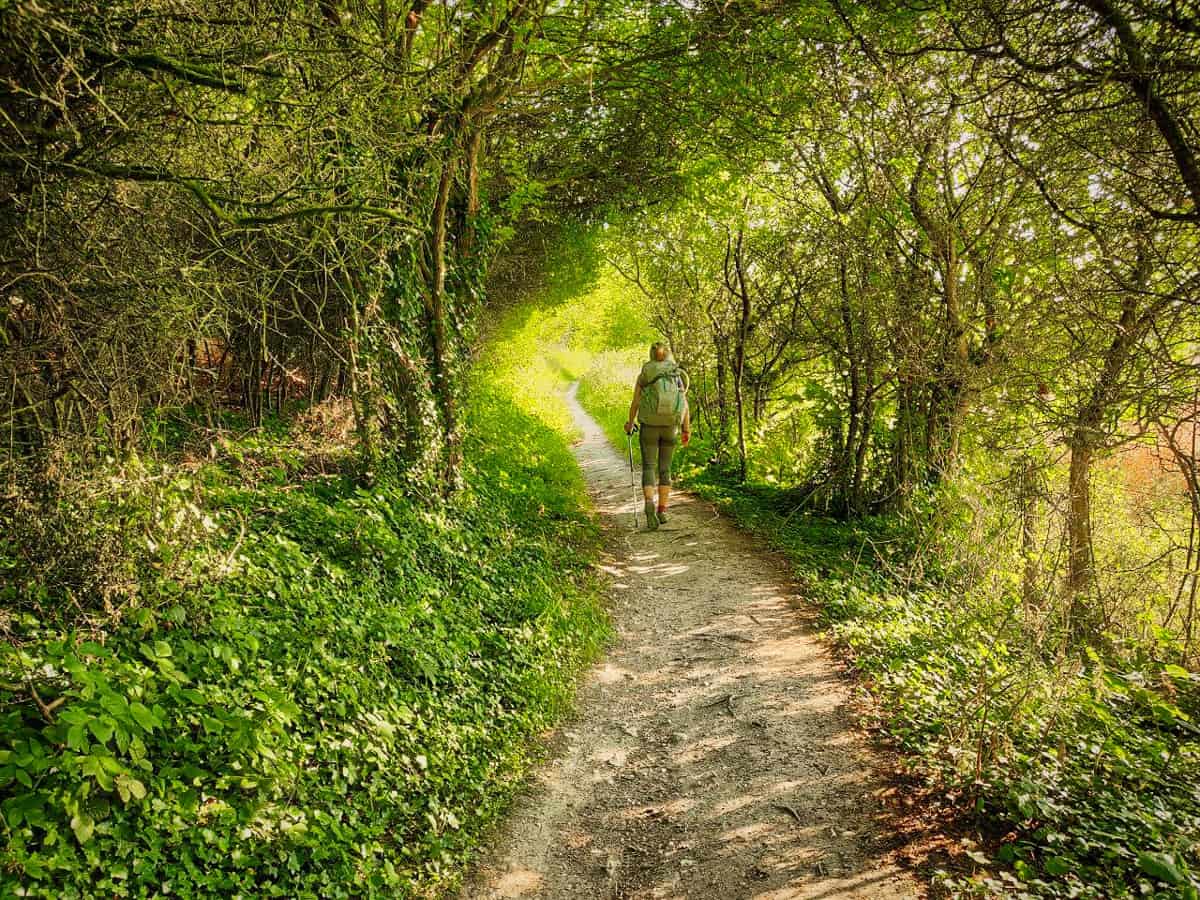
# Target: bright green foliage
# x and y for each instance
(336, 705)
(565, 337)
(606, 388)
(598, 334)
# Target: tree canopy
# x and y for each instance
(925, 263)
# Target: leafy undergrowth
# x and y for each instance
(297, 687)
(1089, 767)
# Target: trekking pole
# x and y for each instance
(632, 482)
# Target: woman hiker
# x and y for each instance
(660, 404)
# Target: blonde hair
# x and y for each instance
(657, 348)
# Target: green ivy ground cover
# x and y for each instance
(339, 705)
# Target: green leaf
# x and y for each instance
(95, 767)
(1163, 866)
(102, 729)
(83, 825)
(143, 716)
(1057, 865)
(115, 704)
(129, 787)
(74, 715)
(110, 764)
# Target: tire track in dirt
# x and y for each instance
(712, 755)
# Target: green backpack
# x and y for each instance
(664, 385)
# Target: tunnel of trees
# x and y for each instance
(926, 264)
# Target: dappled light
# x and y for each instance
(618, 450)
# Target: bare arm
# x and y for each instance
(685, 427)
(633, 407)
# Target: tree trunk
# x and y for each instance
(360, 403)
(904, 443)
(857, 498)
(470, 221)
(723, 425)
(1189, 584)
(739, 377)
(760, 399)
(1080, 568)
(740, 413)
(443, 387)
(847, 463)
(1088, 437)
(1027, 506)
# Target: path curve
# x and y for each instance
(712, 755)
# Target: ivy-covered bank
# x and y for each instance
(270, 681)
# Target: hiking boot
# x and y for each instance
(651, 516)
(662, 515)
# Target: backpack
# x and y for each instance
(664, 385)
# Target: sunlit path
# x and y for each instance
(712, 756)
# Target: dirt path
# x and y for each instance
(712, 756)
